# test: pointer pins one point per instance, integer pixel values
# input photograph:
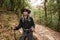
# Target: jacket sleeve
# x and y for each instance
(20, 25)
(32, 23)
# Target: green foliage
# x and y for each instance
(14, 5)
(52, 13)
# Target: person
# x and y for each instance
(27, 24)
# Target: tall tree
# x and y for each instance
(45, 11)
(58, 3)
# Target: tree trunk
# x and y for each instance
(45, 12)
(58, 3)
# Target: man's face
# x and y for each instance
(25, 13)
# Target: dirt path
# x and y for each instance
(44, 33)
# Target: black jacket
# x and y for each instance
(26, 23)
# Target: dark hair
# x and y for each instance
(24, 9)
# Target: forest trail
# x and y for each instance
(44, 33)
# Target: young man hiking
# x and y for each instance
(27, 24)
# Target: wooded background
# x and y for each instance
(48, 14)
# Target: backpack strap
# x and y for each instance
(26, 19)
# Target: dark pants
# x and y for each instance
(28, 34)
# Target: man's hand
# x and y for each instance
(33, 29)
(14, 27)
